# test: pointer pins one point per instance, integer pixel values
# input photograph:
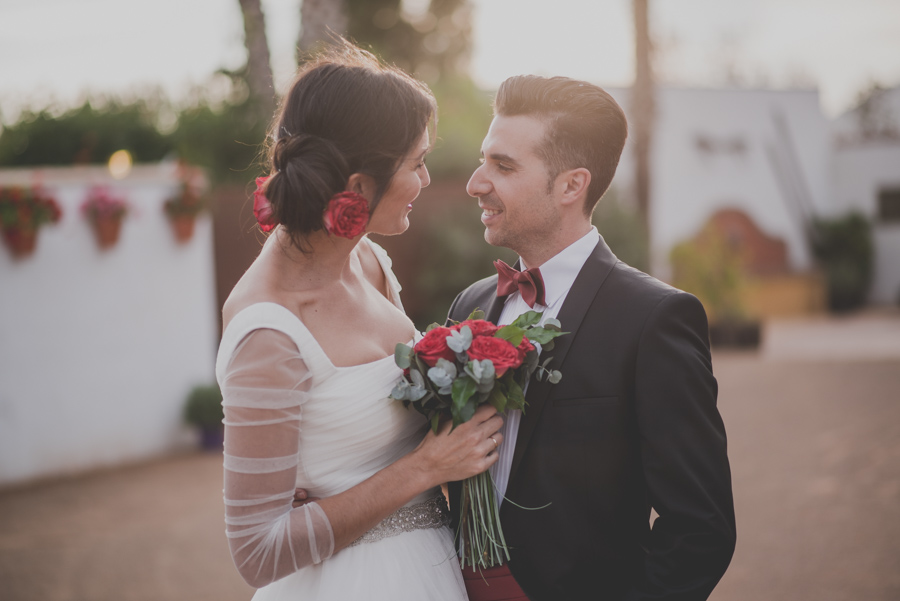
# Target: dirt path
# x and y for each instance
(815, 452)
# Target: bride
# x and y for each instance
(306, 361)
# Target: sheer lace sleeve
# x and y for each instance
(264, 387)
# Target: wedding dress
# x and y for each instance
(293, 419)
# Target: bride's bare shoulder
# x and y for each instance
(253, 287)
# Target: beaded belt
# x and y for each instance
(432, 513)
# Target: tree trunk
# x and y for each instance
(318, 18)
(642, 105)
(259, 69)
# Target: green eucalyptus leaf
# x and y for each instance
(399, 391)
(552, 324)
(515, 396)
(476, 314)
(460, 340)
(498, 399)
(529, 318)
(549, 346)
(542, 335)
(554, 377)
(468, 410)
(513, 334)
(402, 355)
(432, 326)
(463, 389)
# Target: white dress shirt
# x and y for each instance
(559, 274)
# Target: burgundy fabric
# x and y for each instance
(529, 282)
(492, 584)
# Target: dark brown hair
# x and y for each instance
(584, 126)
(345, 113)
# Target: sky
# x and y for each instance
(60, 50)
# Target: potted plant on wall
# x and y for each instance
(712, 269)
(203, 410)
(22, 212)
(182, 210)
(105, 212)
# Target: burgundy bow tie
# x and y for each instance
(529, 283)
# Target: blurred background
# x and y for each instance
(762, 173)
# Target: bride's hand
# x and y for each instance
(466, 451)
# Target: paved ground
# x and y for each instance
(814, 439)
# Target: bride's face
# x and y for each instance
(391, 216)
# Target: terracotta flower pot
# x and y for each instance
(21, 243)
(183, 227)
(744, 334)
(106, 230)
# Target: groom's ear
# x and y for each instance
(362, 184)
(573, 186)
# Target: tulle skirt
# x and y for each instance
(413, 566)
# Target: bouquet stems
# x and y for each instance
(483, 544)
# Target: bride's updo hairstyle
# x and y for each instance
(345, 113)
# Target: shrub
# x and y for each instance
(203, 407)
(846, 253)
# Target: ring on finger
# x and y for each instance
(493, 440)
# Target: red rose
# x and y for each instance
(262, 208)
(347, 215)
(433, 346)
(500, 352)
(524, 348)
(479, 327)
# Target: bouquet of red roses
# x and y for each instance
(449, 373)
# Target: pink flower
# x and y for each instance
(262, 208)
(347, 215)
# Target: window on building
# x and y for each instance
(889, 205)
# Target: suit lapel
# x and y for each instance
(494, 307)
(586, 286)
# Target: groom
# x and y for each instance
(633, 424)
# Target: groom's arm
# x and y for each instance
(683, 452)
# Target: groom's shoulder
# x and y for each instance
(481, 286)
(637, 286)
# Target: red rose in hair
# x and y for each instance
(262, 208)
(347, 215)
(433, 346)
(524, 348)
(479, 327)
(500, 352)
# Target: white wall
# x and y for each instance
(858, 173)
(99, 348)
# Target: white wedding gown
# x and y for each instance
(293, 419)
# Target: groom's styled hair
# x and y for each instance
(585, 127)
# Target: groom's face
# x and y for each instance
(512, 184)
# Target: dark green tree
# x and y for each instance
(86, 134)
(845, 250)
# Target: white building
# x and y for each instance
(773, 155)
(866, 178)
(99, 348)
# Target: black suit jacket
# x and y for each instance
(632, 425)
